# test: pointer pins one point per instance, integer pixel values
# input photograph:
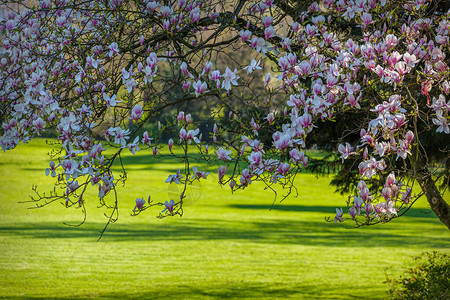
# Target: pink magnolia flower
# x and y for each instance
(283, 168)
(380, 209)
(269, 32)
(139, 203)
(339, 215)
(134, 146)
(121, 135)
(198, 174)
(38, 124)
(183, 68)
(51, 170)
(366, 18)
(255, 158)
(113, 49)
(390, 180)
(391, 40)
(368, 208)
(169, 206)
(93, 62)
(188, 119)
(255, 126)
(390, 209)
(222, 170)
(215, 75)
(382, 148)
(296, 155)
(166, 11)
(137, 112)
(368, 168)
(183, 134)
(232, 184)
(270, 118)
(195, 15)
(110, 101)
(410, 59)
(223, 154)
(364, 192)
(207, 68)
(200, 88)
(286, 45)
(267, 21)
(345, 151)
(245, 35)
(284, 142)
(386, 192)
(246, 177)
(180, 117)
(254, 65)
(352, 212)
(170, 143)
(192, 136)
(229, 78)
(146, 139)
(174, 178)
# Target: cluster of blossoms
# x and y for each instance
(92, 73)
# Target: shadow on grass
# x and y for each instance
(231, 290)
(411, 232)
(412, 212)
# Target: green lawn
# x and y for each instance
(224, 246)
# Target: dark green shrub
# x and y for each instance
(428, 279)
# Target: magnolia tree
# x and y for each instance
(271, 73)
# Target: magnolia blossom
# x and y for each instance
(113, 49)
(146, 139)
(51, 170)
(223, 154)
(192, 136)
(110, 101)
(174, 178)
(139, 204)
(198, 174)
(134, 146)
(229, 78)
(222, 170)
(199, 88)
(137, 112)
(270, 118)
(339, 215)
(254, 65)
(121, 136)
(169, 206)
(345, 150)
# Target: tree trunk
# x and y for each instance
(434, 197)
(439, 206)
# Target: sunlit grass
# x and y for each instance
(224, 246)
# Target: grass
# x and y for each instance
(224, 246)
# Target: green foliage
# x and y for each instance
(429, 279)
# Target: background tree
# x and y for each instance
(246, 85)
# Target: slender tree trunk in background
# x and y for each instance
(434, 197)
(437, 203)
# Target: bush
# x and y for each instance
(429, 279)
